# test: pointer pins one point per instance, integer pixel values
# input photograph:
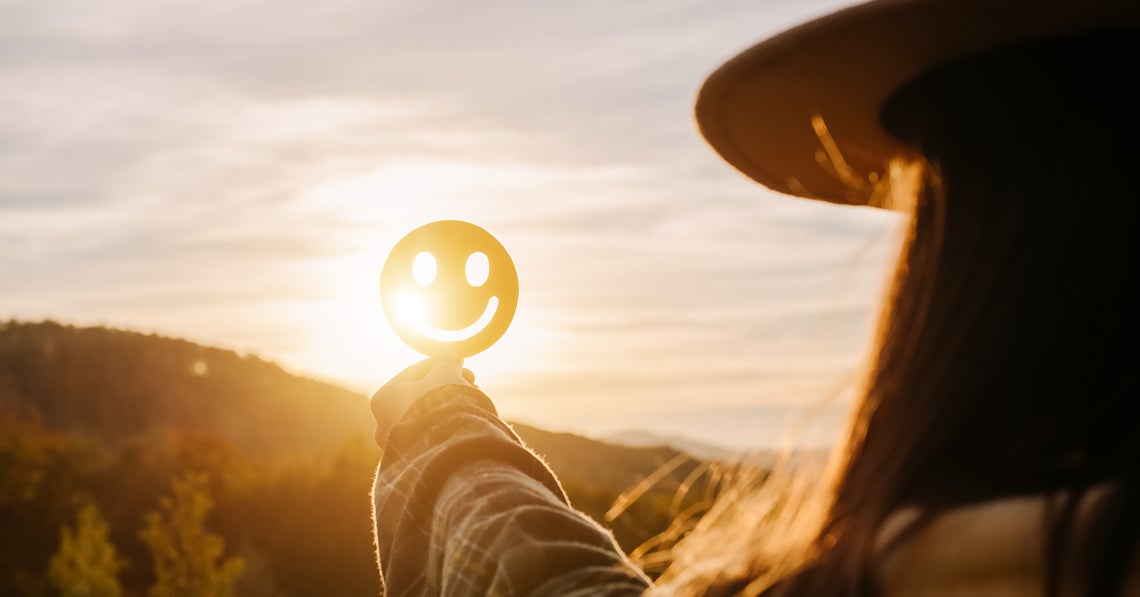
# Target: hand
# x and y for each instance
(391, 401)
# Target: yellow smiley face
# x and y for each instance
(449, 287)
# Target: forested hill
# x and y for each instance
(127, 430)
(115, 384)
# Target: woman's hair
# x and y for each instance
(1007, 358)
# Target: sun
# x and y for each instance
(343, 335)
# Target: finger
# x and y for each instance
(469, 376)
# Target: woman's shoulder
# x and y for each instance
(994, 548)
(989, 548)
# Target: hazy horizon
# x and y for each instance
(236, 174)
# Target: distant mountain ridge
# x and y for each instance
(763, 458)
(637, 438)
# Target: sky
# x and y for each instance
(236, 172)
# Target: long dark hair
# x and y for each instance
(1007, 362)
(1008, 359)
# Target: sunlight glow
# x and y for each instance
(412, 310)
(414, 313)
(347, 338)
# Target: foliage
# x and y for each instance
(185, 554)
(86, 564)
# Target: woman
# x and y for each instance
(996, 447)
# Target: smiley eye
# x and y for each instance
(423, 269)
(478, 268)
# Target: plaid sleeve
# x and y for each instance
(462, 507)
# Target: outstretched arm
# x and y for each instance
(462, 507)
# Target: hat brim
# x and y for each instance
(800, 112)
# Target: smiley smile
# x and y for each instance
(434, 333)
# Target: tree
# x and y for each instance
(187, 556)
(86, 564)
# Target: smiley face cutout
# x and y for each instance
(449, 287)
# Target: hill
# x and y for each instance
(110, 417)
(115, 385)
(578, 459)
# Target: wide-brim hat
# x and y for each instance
(800, 112)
